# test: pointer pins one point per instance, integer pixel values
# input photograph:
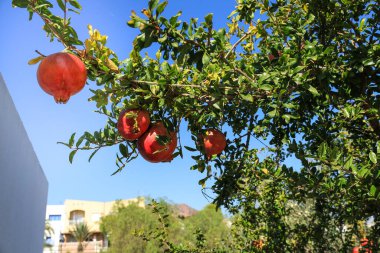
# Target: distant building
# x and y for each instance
(62, 219)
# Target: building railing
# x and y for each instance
(88, 247)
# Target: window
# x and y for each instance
(53, 217)
(76, 216)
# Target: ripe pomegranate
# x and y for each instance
(356, 249)
(363, 242)
(214, 142)
(271, 57)
(366, 244)
(61, 75)
(133, 123)
(157, 144)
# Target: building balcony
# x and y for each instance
(88, 247)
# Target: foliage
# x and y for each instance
(156, 228)
(211, 223)
(48, 232)
(120, 225)
(81, 232)
(301, 77)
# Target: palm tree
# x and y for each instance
(80, 232)
(49, 231)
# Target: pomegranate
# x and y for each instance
(356, 249)
(271, 57)
(61, 75)
(214, 142)
(366, 245)
(133, 123)
(157, 144)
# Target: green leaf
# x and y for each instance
(71, 141)
(71, 156)
(163, 38)
(205, 59)
(92, 155)
(163, 140)
(346, 113)
(286, 117)
(313, 91)
(266, 87)
(298, 69)
(80, 140)
(161, 7)
(72, 10)
(322, 150)
(372, 191)
(363, 172)
(75, 4)
(190, 148)
(208, 19)
(202, 182)
(361, 25)
(263, 77)
(273, 113)
(67, 145)
(216, 105)
(348, 163)
(247, 97)
(36, 60)
(368, 62)
(61, 4)
(20, 3)
(289, 105)
(372, 157)
(123, 150)
(153, 4)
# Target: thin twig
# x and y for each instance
(236, 44)
(38, 52)
(64, 16)
(172, 84)
(54, 31)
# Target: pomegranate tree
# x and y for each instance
(303, 126)
(61, 75)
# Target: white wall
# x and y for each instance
(23, 185)
(57, 225)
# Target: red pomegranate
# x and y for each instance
(214, 142)
(157, 144)
(133, 123)
(61, 75)
(356, 249)
(366, 244)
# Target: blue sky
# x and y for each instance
(47, 122)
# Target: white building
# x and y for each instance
(55, 216)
